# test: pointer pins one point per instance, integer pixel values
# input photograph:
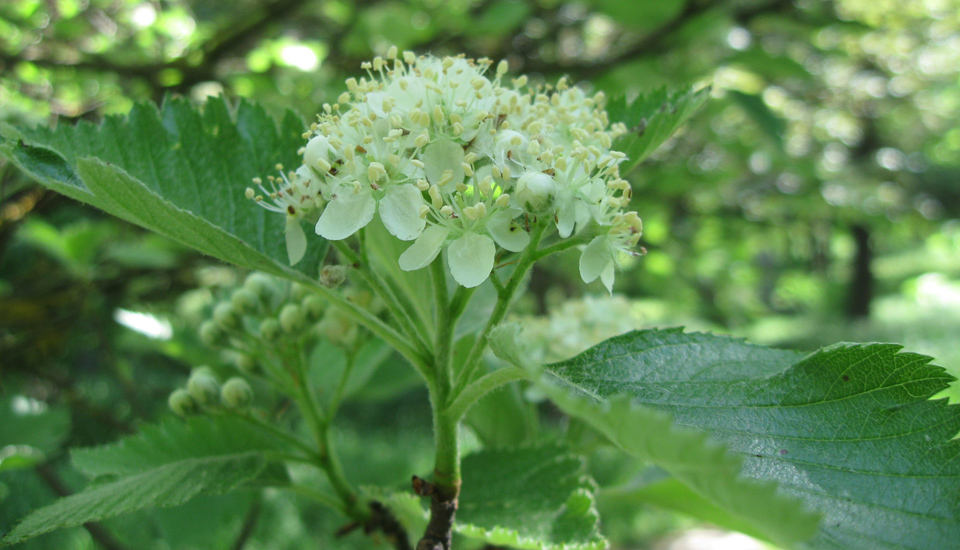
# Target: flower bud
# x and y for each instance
(182, 404)
(270, 330)
(236, 394)
(246, 364)
(292, 318)
(535, 191)
(298, 292)
(226, 316)
(261, 285)
(245, 301)
(211, 334)
(313, 306)
(203, 387)
(332, 276)
(337, 328)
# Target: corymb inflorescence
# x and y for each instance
(451, 156)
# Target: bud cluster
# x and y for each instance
(450, 156)
(203, 392)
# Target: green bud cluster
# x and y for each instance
(204, 392)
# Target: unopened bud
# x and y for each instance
(246, 364)
(270, 330)
(313, 306)
(244, 301)
(260, 284)
(226, 316)
(536, 191)
(182, 404)
(236, 394)
(211, 334)
(292, 318)
(203, 387)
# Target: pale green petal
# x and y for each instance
(425, 249)
(566, 218)
(507, 232)
(607, 277)
(400, 212)
(471, 259)
(345, 215)
(296, 240)
(596, 257)
(442, 155)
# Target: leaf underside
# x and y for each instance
(178, 172)
(849, 430)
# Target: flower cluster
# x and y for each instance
(452, 157)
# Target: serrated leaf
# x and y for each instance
(651, 119)
(174, 440)
(178, 172)
(849, 430)
(537, 497)
(168, 485)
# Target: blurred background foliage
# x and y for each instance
(814, 199)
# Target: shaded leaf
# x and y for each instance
(849, 431)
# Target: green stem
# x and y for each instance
(480, 387)
(563, 245)
(322, 498)
(386, 333)
(504, 301)
(444, 333)
(330, 464)
(277, 432)
(382, 289)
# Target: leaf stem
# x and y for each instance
(504, 301)
(480, 387)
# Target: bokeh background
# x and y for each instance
(815, 199)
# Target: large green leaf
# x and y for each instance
(651, 119)
(167, 485)
(536, 497)
(173, 440)
(163, 465)
(849, 430)
(176, 171)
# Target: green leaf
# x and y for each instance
(178, 172)
(849, 430)
(175, 440)
(537, 497)
(168, 485)
(651, 119)
(756, 108)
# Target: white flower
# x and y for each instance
(456, 160)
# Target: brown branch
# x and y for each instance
(443, 511)
(99, 534)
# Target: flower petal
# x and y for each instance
(595, 259)
(345, 215)
(400, 212)
(507, 232)
(296, 240)
(566, 218)
(440, 156)
(425, 249)
(607, 277)
(471, 259)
